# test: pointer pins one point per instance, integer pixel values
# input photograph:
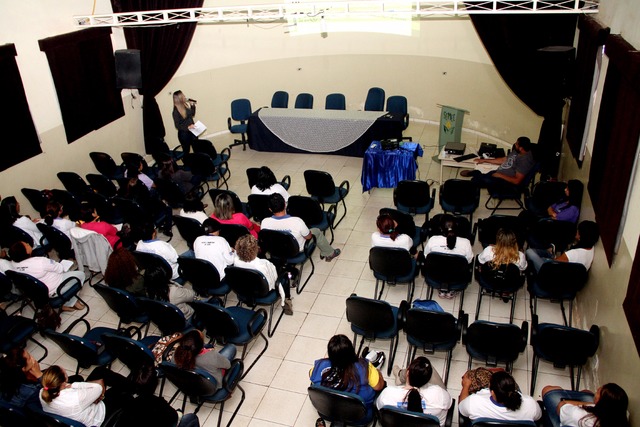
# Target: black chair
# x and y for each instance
(203, 167)
(10, 234)
(557, 281)
(161, 151)
(134, 160)
(132, 353)
(101, 184)
(433, 331)
(190, 229)
(495, 342)
(320, 186)
(124, 305)
(414, 197)
(151, 261)
(398, 104)
(70, 203)
(37, 199)
(562, 346)
(506, 191)
(232, 232)
(375, 99)
(406, 225)
(105, 208)
(201, 387)
(447, 273)
(205, 146)
(335, 101)
(491, 422)
(14, 416)
(391, 416)
(39, 418)
(252, 289)
(259, 206)
(166, 316)
(233, 325)
(487, 228)
(543, 195)
(105, 164)
(374, 319)
(501, 282)
(203, 276)
(57, 240)
(252, 178)
(238, 205)
(135, 214)
(310, 211)
(240, 112)
(37, 293)
(74, 184)
(460, 197)
(462, 224)
(340, 407)
(304, 100)
(15, 331)
(171, 193)
(280, 99)
(393, 266)
(7, 294)
(548, 231)
(283, 249)
(88, 349)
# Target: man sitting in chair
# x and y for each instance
(150, 244)
(281, 221)
(213, 248)
(513, 168)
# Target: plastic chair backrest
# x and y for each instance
(104, 163)
(259, 206)
(120, 301)
(201, 273)
(279, 244)
(462, 195)
(190, 229)
(319, 183)
(488, 228)
(390, 262)
(412, 193)
(397, 104)
(167, 317)
(565, 345)
(370, 315)
(232, 232)
(446, 268)
(148, 260)
(248, 284)
(240, 109)
(102, 184)
(306, 208)
(496, 341)
(561, 278)
(339, 406)
(280, 99)
(216, 320)
(431, 327)
(335, 101)
(505, 278)
(375, 99)
(58, 240)
(304, 100)
(391, 416)
(29, 286)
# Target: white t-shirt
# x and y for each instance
(275, 188)
(29, 227)
(402, 241)
(200, 216)
(44, 269)
(487, 255)
(435, 400)
(570, 416)
(480, 405)
(582, 256)
(64, 225)
(77, 403)
(439, 244)
(264, 266)
(163, 249)
(216, 250)
(292, 224)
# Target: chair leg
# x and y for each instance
(46, 351)
(447, 366)
(573, 382)
(578, 377)
(271, 331)
(513, 306)
(266, 345)
(564, 315)
(393, 348)
(381, 289)
(335, 224)
(534, 372)
(313, 269)
(235, 412)
(479, 302)
(570, 311)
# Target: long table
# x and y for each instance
(341, 132)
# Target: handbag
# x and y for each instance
(427, 305)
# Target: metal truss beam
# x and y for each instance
(340, 9)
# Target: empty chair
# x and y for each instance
(503, 282)
(101, 184)
(310, 211)
(460, 197)
(74, 184)
(37, 199)
(253, 175)
(203, 166)
(335, 101)
(320, 186)
(375, 100)
(132, 353)
(373, 319)
(393, 266)
(105, 164)
(240, 112)
(447, 273)
(414, 197)
(495, 343)
(304, 100)
(398, 104)
(340, 407)
(124, 305)
(166, 316)
(205, 146)
(563, 346)
(280, 99)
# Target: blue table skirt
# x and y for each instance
(385, 168)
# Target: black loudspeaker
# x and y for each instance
(128, 69)
(555, 70)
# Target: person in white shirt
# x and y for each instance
(213, 248)
(150, 244)
(48, 271)
(501, 401)
(11, 212)
(194, 209)
(54, 218)
(388, 236)
(422, 391)
(268, 184)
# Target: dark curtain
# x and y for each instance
(83, 71)
(616, 139)
(541, 79)
(631, 302)
(592, 37)
(19, 137)
(162, 50)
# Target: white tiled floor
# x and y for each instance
(276, 387)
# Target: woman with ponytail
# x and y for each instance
(419, 388)
(501, 401)
(54, 218)
(448, 241)
(388, 236)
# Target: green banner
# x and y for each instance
(451, 119)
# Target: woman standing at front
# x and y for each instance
(183, 112)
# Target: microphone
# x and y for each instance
(192, 100)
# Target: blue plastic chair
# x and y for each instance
(240, 112)
(375, 100)
(280, 99)
(335, 101)
(304, 100)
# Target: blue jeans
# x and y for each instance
(552, 399)
(537, 257)
(189, 420)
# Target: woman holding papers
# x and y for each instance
(184, 109)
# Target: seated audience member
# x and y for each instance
(247, 250)
(185, 179)
(420, 390)
(282, 221)
(568, 208)
(501, 400)
(21, 375)
(136, 171)
(48, 271)
(343, 370)
(213, 248)
(122, 272)
(607, 408)
(151, 410)
(54, 218)
(513, 168)
(224, 212)
(268, 184)
(159, 288)
(89, 220)
(150, 244)
(11, 216)
(505, 251)
(193, 208)
(581, 251)
(388, 236)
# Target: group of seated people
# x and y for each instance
(486, 393)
